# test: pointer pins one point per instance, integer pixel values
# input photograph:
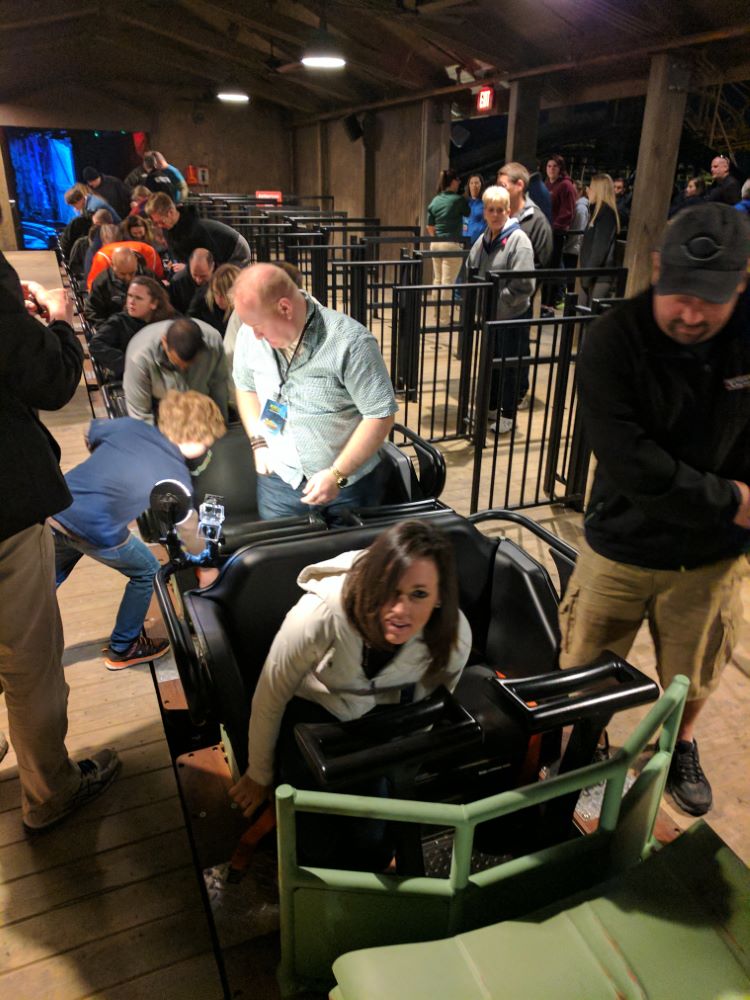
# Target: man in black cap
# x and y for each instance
(111, 189)
(664, 382)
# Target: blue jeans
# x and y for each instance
(278, 499)
(131, 558)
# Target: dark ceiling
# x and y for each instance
(142, 49)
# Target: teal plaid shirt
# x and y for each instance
(337, 378)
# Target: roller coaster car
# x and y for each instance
(502, 723)
(412, 473)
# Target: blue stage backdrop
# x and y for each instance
(44, 170)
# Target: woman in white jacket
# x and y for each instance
(377, 627)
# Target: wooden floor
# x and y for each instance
(108, 906)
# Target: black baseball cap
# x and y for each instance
(704, 253)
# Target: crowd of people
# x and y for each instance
(197, 334)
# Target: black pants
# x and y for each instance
(509, 384)
(349, 842)
(553, 290)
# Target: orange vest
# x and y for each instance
(103, 258)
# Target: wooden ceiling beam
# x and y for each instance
(339, 89)
(40, 21)
(277, 93)
(205, 72)
(381, 64)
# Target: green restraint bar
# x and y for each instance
(328, 912)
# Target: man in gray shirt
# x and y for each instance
(176, 354)
(314, 395)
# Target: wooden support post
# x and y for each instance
(435, 150)
(657, 160)
(523, 122)
(8, 236)
(369, 140)
(324, 178)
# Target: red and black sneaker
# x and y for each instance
(141, 650)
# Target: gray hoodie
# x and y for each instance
(149, 374)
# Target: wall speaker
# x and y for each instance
(352, 128)
(459, 135)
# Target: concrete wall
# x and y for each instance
(75, 106)
(245, 148)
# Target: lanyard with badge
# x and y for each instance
(275, 412)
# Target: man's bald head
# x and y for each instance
(269, 282)
(124, 263)
(267, 299)
(201, 265)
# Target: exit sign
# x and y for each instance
(486, 99)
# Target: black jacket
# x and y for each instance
(115, 193)
(670, 427)
(108, 344)
(73, 231)
(728, 191)
(40, 368)
(160, 181)
(598, 246)
(200, 309)
(190, 232)
(182, 290)
(107, 295)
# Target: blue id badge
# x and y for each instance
(273, 417)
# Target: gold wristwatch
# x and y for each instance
(341, 480)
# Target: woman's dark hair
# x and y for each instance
(133, 221)
(559, 159)
(372, 581)
(164, 308)
(447, 177)
(700, 184)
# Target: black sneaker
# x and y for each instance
(141, 650)
(686, 781)
(97, 774)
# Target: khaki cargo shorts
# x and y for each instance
(693, 615)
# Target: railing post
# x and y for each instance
(481, 405)
(557, 416)
(358, 288)
(319, 268)
(466, 352)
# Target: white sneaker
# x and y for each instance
(525, 403)
(503, 426)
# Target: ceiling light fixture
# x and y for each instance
(232, 93)
(321, 52)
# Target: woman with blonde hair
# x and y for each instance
(598, 247)
(214, 301)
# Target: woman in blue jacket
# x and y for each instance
(474, 225)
